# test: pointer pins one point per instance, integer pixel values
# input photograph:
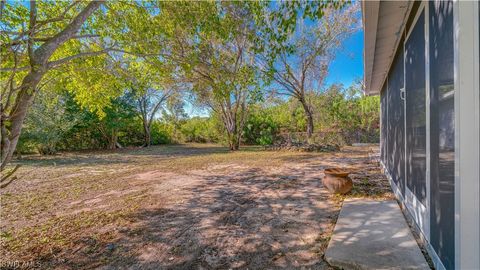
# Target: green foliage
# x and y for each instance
(277, 23)
(85, 134)
(162, 132)
(260, 128)
(202, 129)
(58, 122)
(47, 124)
(340, 116)
(174, 114)
(90, 102)
(350, 112)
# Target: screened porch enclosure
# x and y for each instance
(418, 125)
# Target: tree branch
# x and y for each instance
(2, 6)
(59, 18)
(53, 64)
(62, 61)
(43, 53)
(44, 39)
(32, 24)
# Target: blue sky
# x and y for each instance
(348, 64)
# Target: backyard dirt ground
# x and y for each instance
(193, 206)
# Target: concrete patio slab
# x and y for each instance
(373, 235)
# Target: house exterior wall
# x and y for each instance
(430, 138)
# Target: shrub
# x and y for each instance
(260, 129)
(161, 133)
(201, 130)
(46, 125)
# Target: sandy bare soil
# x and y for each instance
(179, 207)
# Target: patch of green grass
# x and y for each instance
(59, 233)
(5, 236)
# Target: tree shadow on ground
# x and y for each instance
(234, 217)
(119, 156)
(246, 219)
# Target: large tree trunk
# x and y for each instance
(241, 126)
(237, 142)
(233, 142)
(146, 135)
(233, 137)
(234, 130)
(309, 118)
(231, 129)
(146, 127)
(113, 140)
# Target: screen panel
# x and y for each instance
(416, 110)
(383, 126)
(396, 119)
(442, 132)
(390, 129)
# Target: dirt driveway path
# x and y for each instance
(272, 213)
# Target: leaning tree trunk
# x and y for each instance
(12, 127)
(309, 118)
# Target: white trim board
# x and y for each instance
(467, 134)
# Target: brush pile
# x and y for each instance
(303, 147)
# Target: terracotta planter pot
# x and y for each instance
(336, 180)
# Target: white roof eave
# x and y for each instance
(383, 23)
